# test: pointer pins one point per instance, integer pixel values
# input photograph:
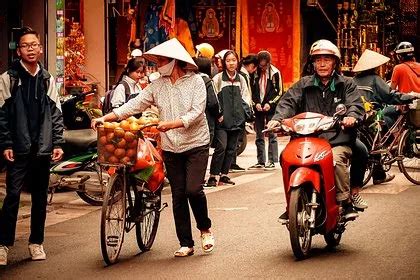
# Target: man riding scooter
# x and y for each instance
(321, 93)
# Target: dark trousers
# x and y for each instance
(238, 144)
(359, 163)
(225, 142)
(36, 172)
(260, 121)
(186, 172)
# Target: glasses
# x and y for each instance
(31, 45)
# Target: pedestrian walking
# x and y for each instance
(180, 96)
(31, 133)
(268, 87)
(247, 67)
(232, 92)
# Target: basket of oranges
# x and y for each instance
(117, 141)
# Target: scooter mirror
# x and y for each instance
(340, 110)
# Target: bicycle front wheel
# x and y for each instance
(113, 219)
(146, 228)
(409, 149)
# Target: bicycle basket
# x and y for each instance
(116, 145)
(414, 117)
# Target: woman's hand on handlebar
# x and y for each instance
(348, 122)
(272, 124)
(96, 122)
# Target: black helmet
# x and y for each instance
(405, 50)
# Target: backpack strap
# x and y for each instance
(127, 90)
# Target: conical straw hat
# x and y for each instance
(172, 49)
(369, 60)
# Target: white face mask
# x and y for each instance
(166, 70)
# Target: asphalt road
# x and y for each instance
(382, 244)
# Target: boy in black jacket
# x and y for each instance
(31, 132)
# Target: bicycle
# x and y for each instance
(401, 144)
(128, 203)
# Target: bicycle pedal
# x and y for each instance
(163, 207)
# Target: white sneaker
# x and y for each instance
(37, 252)
(3, 254)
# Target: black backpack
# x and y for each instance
(107, 106)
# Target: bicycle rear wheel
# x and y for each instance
(409, 149)
(113, 219)
(146, 228)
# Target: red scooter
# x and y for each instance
(308, 179)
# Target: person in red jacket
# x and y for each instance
(406, 75)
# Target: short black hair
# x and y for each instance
(264, 55)
(229, 52)
(203, 64)
(25, 31)
(250, 59)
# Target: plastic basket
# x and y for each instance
(117, 146)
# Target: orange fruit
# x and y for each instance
(113, 159)
(122, 143)
(102, 140)
(119, 132)
(119, 153)
(132, 119)
(129, 136)
(125, 160)
(141, 121)
(109, 125)
(134, 126)
(153, 129)
(125, 125)
(109, 148)
(110, 137)
(132, 144)
(131, 153)
(101, 158)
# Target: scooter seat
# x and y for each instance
(80, 138)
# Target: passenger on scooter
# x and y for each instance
(321, 93)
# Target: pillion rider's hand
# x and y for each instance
(258, 107)
(272, 124)
(57, 154)
(95, 122)
(266, 107)
(348, 122)
(8, 155)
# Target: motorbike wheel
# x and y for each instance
(300, 233)
(90, 197)
(241, 143)
(146, 228)
(332, 239)
(113, 219)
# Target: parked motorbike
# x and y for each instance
(79, 170)
(308, 178)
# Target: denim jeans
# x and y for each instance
(261, 120)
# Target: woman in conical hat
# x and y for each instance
(180, 96)
(372, 88)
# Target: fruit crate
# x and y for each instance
(117, 145)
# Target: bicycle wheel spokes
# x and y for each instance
(409, 149)
(113, 219)
(146, 228)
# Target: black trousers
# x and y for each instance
(35, 170)
(186, 172)
(225, 143)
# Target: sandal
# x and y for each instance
(207, 242)
(184, 252)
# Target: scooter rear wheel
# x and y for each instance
(300, 233)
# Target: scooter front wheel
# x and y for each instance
(299, 214)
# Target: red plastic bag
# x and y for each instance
(157, 177)
(145, 157)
